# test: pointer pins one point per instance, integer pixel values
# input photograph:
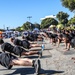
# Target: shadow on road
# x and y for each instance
(28, 71)
(33, 56)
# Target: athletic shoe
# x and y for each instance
(40, 54)
(9, 67)
(37, 66)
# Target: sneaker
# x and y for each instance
(10, 66)
(37, 66)
(40, 54)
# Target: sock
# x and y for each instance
(38, 52)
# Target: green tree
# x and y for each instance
(70, 4)
(12, 29)
(32, 26)
(26, 25)
(71, 21)
(18, 29)
(36, 25)
(47, 22)
(62, 17)
(2, 30)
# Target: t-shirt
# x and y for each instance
(7, 47)
(23, 43)
(17, 50)
(18, 42)
(26, 44)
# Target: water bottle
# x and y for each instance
(42, 47)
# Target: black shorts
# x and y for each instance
(26, 44)
(18, 50)
(12, 58)
(6, 59)
(73, 42)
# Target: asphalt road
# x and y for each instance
(55, 61)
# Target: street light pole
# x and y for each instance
(29, 17)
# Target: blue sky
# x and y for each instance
(14, 13)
